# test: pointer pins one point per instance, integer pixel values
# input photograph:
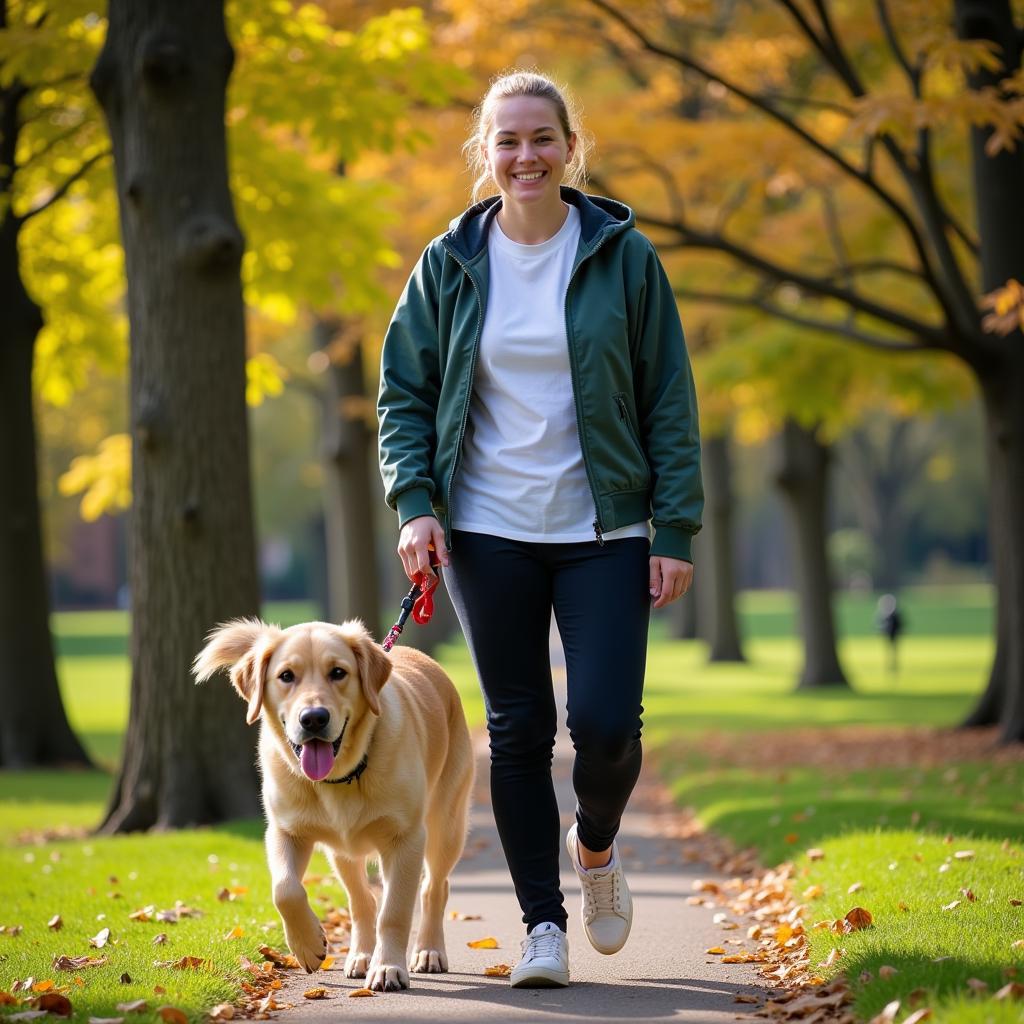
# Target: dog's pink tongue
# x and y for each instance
(317, 758)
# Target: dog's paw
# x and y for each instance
(308, 943)
(429, 961)
(387, 978)
(357, 964)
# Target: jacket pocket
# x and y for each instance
(627, 420)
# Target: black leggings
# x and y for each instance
(503, 591)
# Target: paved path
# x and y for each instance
(662, 974)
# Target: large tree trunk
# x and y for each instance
(1000, 206)
(189, 756)
(352, 585)
(802, 477)
(718, 593)
(34, 729)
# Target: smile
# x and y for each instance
(529, 176)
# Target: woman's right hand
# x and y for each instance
(413, 545)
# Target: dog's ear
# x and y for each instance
(246, 645)
(374, 664)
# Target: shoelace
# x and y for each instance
(601, 893)
(543, 945)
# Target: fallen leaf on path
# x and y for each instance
(498, 971)
(745, 999)
(327, 964)
(222, 1011)
(488, 943)
(716, 950)
(315, 993)
(358, 992)
(458, 915)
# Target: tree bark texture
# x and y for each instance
(802, 477)
(34, 729)
(718, 594)
(353, 590)
(1000, 369)
(189, 756)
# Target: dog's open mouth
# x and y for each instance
(316, 757)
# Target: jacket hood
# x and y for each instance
(467, 233)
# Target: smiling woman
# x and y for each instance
(537, 420)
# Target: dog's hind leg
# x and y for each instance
(362, 906)
(446, 836)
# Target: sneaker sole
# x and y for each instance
(541, 978)
(606, 950)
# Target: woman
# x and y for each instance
(537, 421)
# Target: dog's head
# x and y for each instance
(313, 682)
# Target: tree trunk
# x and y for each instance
(802, 476)
(34, 729)
(1000, 207)
(722, 634)
(352, 584)
(1003, 394)
(161, 77)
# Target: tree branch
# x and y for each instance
(934, 336)
(62, 189)
(55, 141)
(875, 341)
(865, 178)
(913, 71)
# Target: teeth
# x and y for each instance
(529, 177)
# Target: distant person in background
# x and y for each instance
(890, 625)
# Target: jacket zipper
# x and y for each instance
(574, 371)
(469, 395)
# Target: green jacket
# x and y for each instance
(635, 405)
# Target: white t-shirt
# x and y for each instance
(522, 474)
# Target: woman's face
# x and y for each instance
(526, 150)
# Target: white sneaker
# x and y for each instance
(607, 905)
(545, 960)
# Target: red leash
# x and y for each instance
(419, 601)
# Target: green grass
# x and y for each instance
(906, 879)
(99, 882)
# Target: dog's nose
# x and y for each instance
(314, 719)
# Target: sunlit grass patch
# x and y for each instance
(98, 883)
(942, 914)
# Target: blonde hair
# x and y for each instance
(523, 83)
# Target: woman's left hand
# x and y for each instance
(670, 579)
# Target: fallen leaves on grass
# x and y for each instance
(222, 1011)
(14, 930)
(1012, 990)
(184, 963)
(55, 923)
(489, 943)
(236, 933)
(135, 1006)
(53, 1002)
(78, 963)
(100, 939)
(171, 1015)
(858, 919)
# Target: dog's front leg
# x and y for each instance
(288, 857)
(401, 863)
(363, 908)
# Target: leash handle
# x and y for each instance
(419, 601)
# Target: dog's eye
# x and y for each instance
(337, 673)
(287, 676)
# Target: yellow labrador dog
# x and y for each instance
(363, 769)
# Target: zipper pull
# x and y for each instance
(597, 533)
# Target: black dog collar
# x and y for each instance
(352, 776)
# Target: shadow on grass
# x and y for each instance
(61, 787)
(92, 645)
